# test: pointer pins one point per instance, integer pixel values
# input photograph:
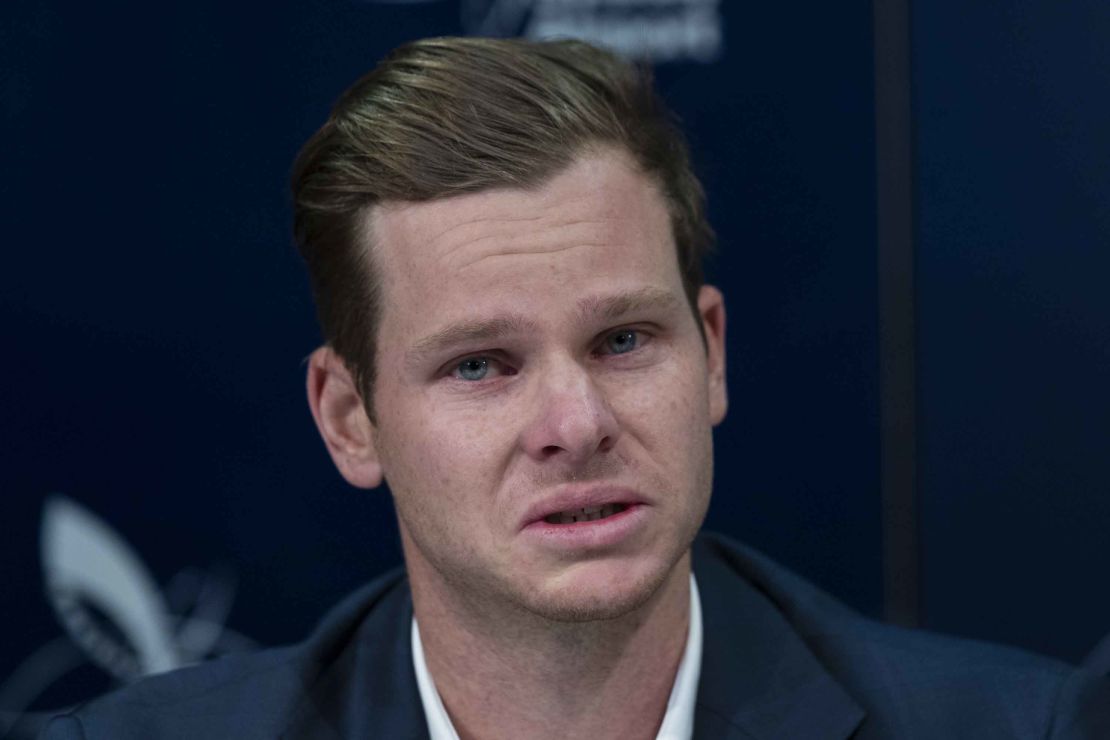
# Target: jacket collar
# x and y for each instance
(759, 680)
(365, 685)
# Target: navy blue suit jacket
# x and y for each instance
(781, 660)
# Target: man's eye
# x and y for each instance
(622, 341)
(481, 368)
(472, 368)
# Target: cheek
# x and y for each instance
(668, 418)
(666, 406)
(443, 458)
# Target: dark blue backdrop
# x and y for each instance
(154, 315)
(1013, 144)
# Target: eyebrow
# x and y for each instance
(478, 331)
(489, 331)
(616, 306)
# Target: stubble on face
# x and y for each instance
(457, 571)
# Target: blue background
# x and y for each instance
(154, 315)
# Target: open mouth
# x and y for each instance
(586, 514)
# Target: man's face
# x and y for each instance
(537, 357)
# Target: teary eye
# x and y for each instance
(622, 341)
(472, 368)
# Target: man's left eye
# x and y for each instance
(622, 341)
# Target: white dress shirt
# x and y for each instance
(678, 721)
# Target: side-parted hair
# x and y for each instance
(447, 116)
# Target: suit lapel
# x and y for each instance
(758, 678)
(368, 689)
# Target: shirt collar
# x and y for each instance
(678, 721)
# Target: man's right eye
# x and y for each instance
(477, 368)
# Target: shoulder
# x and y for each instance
(912, 683)
(192, 701)
(249, 695)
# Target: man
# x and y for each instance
(504, 240)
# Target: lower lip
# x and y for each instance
(607, 532)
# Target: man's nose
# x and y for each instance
(573, 419)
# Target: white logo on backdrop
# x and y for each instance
(652, 30)
(113, 611)
(655, 30)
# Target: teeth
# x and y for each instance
(586, 514)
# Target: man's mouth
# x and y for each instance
(585, 514)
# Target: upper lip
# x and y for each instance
(579, 497)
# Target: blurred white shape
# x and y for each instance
(86, 562)
(201, 630)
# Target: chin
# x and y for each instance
(592, 592)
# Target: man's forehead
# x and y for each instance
(591, 240)
(600, 191)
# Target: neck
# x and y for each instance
(510, 673)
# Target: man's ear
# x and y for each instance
(711, 311)
(341, 418)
